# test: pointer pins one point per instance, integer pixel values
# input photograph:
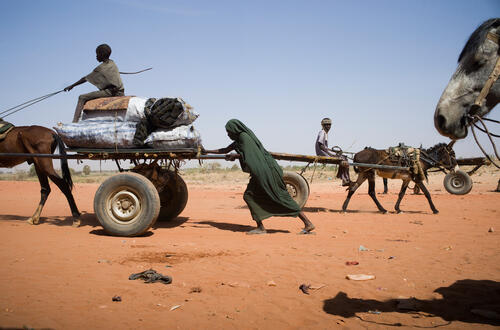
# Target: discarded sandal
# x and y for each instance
(151, 276)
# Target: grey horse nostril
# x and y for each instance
(441, 121)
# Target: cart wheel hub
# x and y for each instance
(457, 182)
(291, 190)
(125, 205)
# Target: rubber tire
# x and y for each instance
(297, 187)
(457, 183)
(134, 185)
(173, 198)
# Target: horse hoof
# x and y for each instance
(76, 223)
(435, 212)
(383, 211)
(31, 221)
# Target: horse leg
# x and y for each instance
(371, 192)
(47, 169)
(401, 195)
(64, 187)
(44, 194)
(428, 196)
(361, 178)
(385, 186)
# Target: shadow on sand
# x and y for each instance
(471, 301)
(237, 228)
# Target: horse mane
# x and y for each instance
(435, 148)
(477, 37)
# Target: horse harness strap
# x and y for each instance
(5, 128)
(407, 156)
(494, 74)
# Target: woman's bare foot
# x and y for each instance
(308, 226)
(259, 230)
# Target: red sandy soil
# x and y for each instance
(56, 276)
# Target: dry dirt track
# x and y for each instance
(56, 276)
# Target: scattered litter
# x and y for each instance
(448, 248)
(351, 263)
(417, 222)
(168, 266)
(398, 240)
(116, 298)
(103, 261)
(195, 289)
(392, 257)
(103, 306)
(375, 312)
(305, 288)
(237, 284)
(362, 248)
(317, 287)
(334, 236)
(345, 231)
(491, 230)
(174, 307)
(360, 277)
(151, 276)
(271, 283)
(486, 313)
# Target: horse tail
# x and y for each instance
(64, 161)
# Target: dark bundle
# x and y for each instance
(160, 113)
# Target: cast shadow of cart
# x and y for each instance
(172, 223)
(457, 303)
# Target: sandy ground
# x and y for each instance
(431, 270)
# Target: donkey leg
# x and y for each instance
(428, 196)
(401, 195)
(371, 192)
(361, 178)
(386, 189)
(44, 193)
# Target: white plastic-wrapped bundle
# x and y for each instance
(180, 137)
(135, 109)
(98, 134)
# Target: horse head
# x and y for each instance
(466, 95)
(442, 154)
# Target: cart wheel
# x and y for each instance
(127, 204)
(297, 187)
(457, 183)
(173, 198)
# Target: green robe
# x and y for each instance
(266, 194)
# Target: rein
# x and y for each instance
(473, 118)
(26, 104)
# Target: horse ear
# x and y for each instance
(450, 145)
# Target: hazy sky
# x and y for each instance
(377, 68)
